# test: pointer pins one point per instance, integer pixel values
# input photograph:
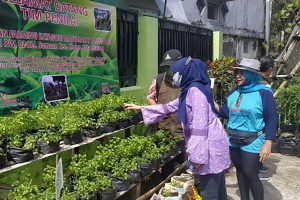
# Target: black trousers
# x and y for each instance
(211, 186)
(247, 168)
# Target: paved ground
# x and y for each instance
(284, 183)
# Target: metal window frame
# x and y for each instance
(127, 47)
(190, 40)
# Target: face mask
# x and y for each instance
(176, 79)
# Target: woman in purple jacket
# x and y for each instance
(206, 141)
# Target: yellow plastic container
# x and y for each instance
(195, 192)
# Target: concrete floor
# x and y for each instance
(284, 183)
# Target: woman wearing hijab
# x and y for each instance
(252, 124)
(205, 138)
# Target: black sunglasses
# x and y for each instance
(238, 71)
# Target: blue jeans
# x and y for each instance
(211, 186)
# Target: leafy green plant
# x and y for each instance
(48, 135)
(24, 189)
(88, 178)
(48, 177)
(85, 188)
(120, 170)
(152, 154)
(48, 117)
(288, 101)
(107, 117)
(71, 124)
(5, 126)
(30, 142)
(18, 141)
(78, 163)
(21, 122)
(222, 71)
(286, 14)
(176, 184)
(89, 123)
(66, 195)
(168, 193)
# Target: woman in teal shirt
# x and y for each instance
(252, 125)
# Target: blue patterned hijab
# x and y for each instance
(194, 74)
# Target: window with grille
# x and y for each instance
(127, 33)
(189, 40)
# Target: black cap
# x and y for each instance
(266, 63)
(170, 57)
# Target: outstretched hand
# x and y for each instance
(131, 106)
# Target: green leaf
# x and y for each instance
(74, 54)
(30, 24)
(84, 53)
(288, 30)
(14, 8)
(36, 95)
(30, 81)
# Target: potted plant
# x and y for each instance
(71, 129)
(123, 121)
(86, 189)
(48, 141)
(120, 177)
(21, 142)
(48, 135)
(178, 186)
(168, 194)
(153, 154)
(107, 122)
(183, 181)
(145, 166)
(20, 148)
(106, 189)
(89, 128)
(130, 165)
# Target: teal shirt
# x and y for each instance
(248, 116)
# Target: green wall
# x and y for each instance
(147, 57)
(217, 45)
(147, 52)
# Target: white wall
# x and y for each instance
(245, 17)
(246, 14)
(234, 46)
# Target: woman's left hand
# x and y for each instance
(265, 153)
(130, 106)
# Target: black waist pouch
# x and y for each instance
(243, 137)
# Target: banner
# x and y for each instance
(52, 50)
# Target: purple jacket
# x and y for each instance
(205, 137)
